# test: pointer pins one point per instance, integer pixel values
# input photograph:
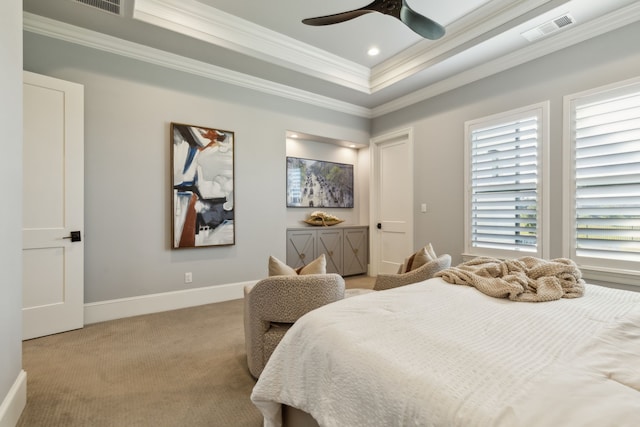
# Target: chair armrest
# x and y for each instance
(424, 272)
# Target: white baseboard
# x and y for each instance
(15, 401)
(126, 307)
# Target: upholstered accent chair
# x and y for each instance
(272, 305)
(424, 272)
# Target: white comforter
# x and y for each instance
(436, 354)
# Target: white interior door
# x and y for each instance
(392, 201)
(53, 206)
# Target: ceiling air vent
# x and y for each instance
(548, 27)
(111, 6)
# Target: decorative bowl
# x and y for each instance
(323, 222)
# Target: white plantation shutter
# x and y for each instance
(606, 173)
(504, 184)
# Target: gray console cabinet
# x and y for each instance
(346, 248)
(301, 246)
(355, 252)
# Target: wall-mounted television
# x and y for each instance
(319, 184)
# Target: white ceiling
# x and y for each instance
(349, 40)
(265, 46)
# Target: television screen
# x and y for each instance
(318, 184)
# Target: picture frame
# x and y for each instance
(203, 206)
(319, 184)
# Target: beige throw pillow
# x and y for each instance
(279, 268)
(418, 259)
(406, 265)
(317, 266)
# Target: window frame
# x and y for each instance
(542, 111)
(605, 270)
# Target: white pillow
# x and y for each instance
(432, 254)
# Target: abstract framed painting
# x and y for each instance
(202, 186)
(319, 184)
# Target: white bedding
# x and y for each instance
(436, 354)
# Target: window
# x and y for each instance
(602, 155)
(505, 171)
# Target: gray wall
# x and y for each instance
(128, 108)
(11, 206)
(438, 125)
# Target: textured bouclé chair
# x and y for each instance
(424, 272)
(272, 305)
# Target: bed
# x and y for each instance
(439, 354)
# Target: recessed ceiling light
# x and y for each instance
(352, 145)
(373, 51)
(294, 135)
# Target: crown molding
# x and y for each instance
(72, 34)
(471, 29)
(55, 29)
(197, 20)
(596, 27)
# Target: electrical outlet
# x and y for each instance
(188, 277)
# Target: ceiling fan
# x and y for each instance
(399, 9)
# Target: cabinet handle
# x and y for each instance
(355, 250)
(330, 253)
(302, 256)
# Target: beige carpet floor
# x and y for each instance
(178, 368)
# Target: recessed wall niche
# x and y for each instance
(306, 146)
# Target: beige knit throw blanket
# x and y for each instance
(527, 279)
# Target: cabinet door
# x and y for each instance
(301, 245)
(356, 251)
(330, 244)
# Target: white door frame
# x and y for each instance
(374, 176)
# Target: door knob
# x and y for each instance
(74, 236)
(379, 226)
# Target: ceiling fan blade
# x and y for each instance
(420, 24)
(336, 18)
(399, 9)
